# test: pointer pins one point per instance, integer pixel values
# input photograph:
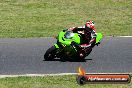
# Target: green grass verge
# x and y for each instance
(45, 18)
(52, 82)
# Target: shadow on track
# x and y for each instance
(69, 60)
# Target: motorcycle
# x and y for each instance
(64, 49)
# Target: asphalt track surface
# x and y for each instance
(25, 56)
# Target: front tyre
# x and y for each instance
(50, 53)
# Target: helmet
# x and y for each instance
(90, 24)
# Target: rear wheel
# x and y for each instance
(50, 53)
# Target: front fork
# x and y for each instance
(57, 47)
(59, 50)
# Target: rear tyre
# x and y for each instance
(50, 53)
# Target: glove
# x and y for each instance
(97, 43)
(71, 29)
(65, 30)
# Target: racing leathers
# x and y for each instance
(88, 35)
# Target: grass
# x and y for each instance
(52, 82)
(45, 18)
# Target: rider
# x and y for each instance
(87, 32)
(88, 35)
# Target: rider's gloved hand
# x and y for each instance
(65, 30)
(97, 43)
(71, 29)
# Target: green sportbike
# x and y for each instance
(64, 49)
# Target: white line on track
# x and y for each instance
(59, 74)
(119, 36)
(33, 75)
(124, 36)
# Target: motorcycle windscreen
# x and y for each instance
(67, 37)
(70, 36)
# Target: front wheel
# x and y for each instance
(50, 54)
